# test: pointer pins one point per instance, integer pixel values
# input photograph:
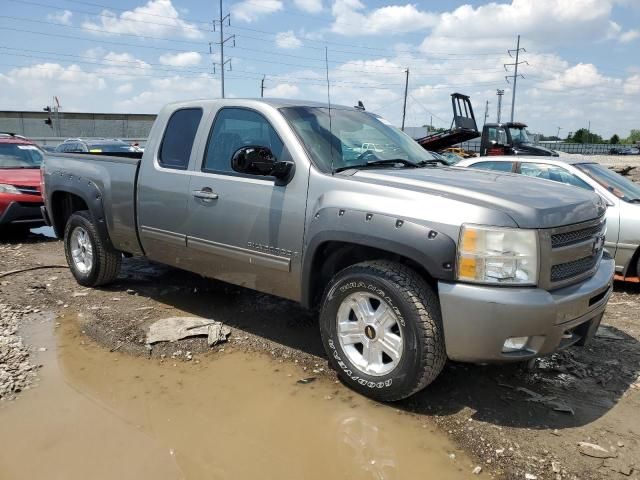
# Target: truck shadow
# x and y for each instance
(569, 389)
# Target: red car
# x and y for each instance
(20, 195)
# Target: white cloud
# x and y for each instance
(288, 40)
(156, 18)
(251, 10)
(350, 19)
(282, 90)
(35, 85)
(124, 88)
(159, 91)
(544, 22)
(63, 17)
(123, 66)
(632, 85)
(581, 75)
(311, 6)
(629, 36)
(184, 59)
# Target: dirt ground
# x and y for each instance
(515, 421)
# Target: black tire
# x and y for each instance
(417, 310)
(106, 261)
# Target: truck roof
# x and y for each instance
(273, 102)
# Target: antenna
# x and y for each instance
(326, 63)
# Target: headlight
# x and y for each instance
(4, 188)
(498, 255)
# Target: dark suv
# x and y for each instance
(94, 145)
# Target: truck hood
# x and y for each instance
(530, 149)
(20, 176)
(530, 202)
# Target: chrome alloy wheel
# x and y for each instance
(369, 333)
(81, 250)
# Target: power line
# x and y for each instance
(120, 19)
(99, 30)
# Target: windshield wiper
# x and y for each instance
(381, 163)
(634, 200)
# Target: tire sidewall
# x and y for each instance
(404, 376)
(88, 278)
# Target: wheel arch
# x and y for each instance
(431, 255)
(71, 194)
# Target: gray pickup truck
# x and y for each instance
(410, 262)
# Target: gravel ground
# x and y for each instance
(16, 372)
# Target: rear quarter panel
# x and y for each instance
(106, 184)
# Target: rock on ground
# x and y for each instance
(16, 372)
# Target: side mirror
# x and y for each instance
(256, 160)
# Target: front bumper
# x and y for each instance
(22, 213)
(478, 319)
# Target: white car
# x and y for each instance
(621, 194)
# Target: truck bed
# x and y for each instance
(114, 177)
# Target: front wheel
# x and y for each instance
(382, 330)
(91, 260)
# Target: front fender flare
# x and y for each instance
(428, 247)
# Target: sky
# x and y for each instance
(581, 57)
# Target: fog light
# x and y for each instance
(514, 344)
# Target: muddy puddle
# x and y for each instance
(104, 415)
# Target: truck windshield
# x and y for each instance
(519, 135)
(621, 187)
(354, 138)
(20, 156)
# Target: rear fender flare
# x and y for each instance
(84, 188)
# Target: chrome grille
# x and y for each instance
(563, 271)
(569, 238)
(574, 253)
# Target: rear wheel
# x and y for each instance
(381, 327)
(91, 260)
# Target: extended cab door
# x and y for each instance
(163, 187)
(244, 228)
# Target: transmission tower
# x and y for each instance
(220, 25)
(515, 75)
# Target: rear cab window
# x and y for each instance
(179, 135)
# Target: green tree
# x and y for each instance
(585, 136)
(615, 139)
(634, 137)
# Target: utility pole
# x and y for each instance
(558, 135)
(588, 133)
(500, 93)
(515, 73)
(486, 111)
(406, 91)
(262, 86)
(223, 62)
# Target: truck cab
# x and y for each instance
(510, 138)
(408, 261)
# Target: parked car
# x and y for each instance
(621, 195)
(409, 262)
(94, 145)
(20, 198)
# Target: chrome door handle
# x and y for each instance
(205, 194)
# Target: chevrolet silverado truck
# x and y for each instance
(409, 262)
